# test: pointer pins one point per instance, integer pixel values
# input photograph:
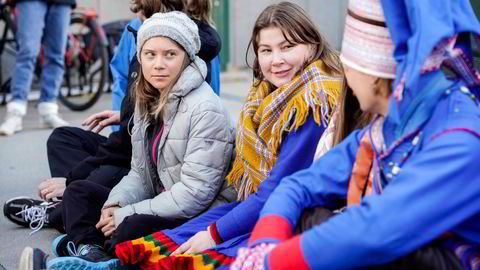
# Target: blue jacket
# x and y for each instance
(296, 153)
(124, 53)
(429, 170)
(437, 190)
(215, 75)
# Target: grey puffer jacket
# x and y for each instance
(195, 150)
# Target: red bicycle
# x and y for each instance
(86, 58)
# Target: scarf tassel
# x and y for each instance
(298, 110)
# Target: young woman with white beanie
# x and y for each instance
(182, 145)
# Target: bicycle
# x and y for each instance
(86, 58)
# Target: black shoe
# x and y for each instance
(92, 253)
(28, 212)
(32, 259)
(91, 257)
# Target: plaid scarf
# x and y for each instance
(267, 115)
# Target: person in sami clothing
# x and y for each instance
(298, 84)
(411, 178)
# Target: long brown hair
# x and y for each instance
(200, 10)
(297, 28)
(150, 101)
(350, 116)
(150, 7)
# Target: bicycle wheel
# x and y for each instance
(86, 65)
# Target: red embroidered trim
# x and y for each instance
(288, 255)
(214, 233)
(271, 227)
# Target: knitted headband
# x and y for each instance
(366, 45)
(174, 25)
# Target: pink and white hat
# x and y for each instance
(366, 45)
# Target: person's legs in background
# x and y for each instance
(55, 40)
(30, 26)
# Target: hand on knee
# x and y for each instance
(52, 188)
(106, 224)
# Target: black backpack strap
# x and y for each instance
(133, 31)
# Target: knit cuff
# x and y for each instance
(287, 255)
(214, 233)
(271, 228)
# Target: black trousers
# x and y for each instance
(82, 205)
(68, 146)
(429, 257)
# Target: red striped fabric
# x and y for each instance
(153, 253)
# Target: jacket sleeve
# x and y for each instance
(296, 154)
(436, 191)
(119, 66)
(329, 175)
(203, 170)
(131, 189)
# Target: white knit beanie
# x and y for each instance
(174, 25)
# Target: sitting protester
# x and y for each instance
(298, 86)
(182, 144)
(411, 178)
(77, 154)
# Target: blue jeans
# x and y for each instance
(37, 20)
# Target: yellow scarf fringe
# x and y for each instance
(298, 109)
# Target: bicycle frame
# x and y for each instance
(91, 14)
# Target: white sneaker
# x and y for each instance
(49, 117)
(13, 120)
(32, 259)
